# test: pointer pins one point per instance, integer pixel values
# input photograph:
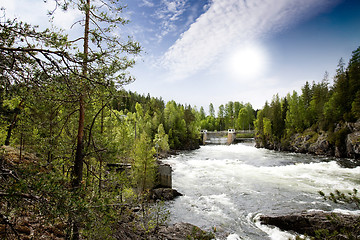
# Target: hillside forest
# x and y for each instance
(320, 113)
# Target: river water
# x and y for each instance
(229, 187)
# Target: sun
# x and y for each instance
(248, 61)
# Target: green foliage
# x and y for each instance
(295, 117)
(346, 232)
(259, 127)
(320, 107)
(39, 112)
(161, 139)
(211, 110)
(267, 127)
(198, 234)
(340, 138)
(355, 106)
(182, 126)
(143, 166)
(244, 119)
(349, 198)
(153, 216)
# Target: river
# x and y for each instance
(229, 187)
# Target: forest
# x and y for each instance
(319, 110)
(65, 118)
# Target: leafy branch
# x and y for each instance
(350, 198)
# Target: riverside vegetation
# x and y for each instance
(321, 120)
(65, 120)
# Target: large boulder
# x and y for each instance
(309, 222)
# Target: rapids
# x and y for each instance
(229, 187)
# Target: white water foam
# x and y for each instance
(347, 212)
(223, 184)
(233, 237)
(310, 177)
(338, 210)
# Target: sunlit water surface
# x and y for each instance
(229, 187)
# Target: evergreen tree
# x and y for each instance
(202, 114)
(319, 108)
(284, 110)
(306, 95)
(221, 115)
(354, 82)
(211, 110)
(355, 109)
(276, 118)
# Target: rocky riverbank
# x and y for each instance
(343, 142)
(177, 231)
(24, 221)
(317, 222)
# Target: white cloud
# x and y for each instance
(228, 23)
(66, 19)
(147, 3)
(36, 13)
(168, 13)
(31, 12)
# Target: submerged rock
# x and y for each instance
(308, 223)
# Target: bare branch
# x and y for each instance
(22, 195)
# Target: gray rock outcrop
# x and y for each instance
(343, 142)
(308, 223)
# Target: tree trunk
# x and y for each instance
(10, 128)
(79, 155)
(13, 123)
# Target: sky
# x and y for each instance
(199, 52)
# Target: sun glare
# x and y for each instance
(248, 61)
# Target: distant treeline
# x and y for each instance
(236, 114)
